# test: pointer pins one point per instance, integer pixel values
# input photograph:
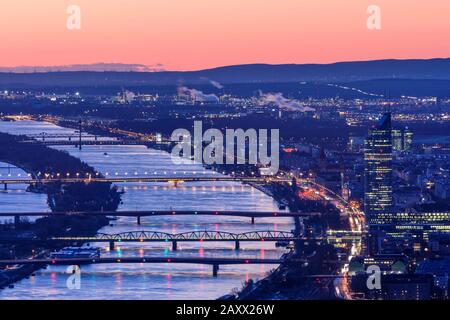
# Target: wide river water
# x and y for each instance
(150, 281)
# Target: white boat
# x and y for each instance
(76, 252)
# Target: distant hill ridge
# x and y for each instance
(438, 69)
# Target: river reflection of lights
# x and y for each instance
(33, 279)
(181, 189)
(53, 277)
(169, 283)
(119, 279)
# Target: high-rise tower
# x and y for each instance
(378, 172)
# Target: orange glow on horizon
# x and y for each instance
(198, 34)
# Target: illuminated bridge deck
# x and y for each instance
(214, 262)
(149, 213)
(146, 179)
(93, 142)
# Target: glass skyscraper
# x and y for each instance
(378, 172)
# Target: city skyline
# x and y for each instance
(225, 151)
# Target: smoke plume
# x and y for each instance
(198, 95)
(283, 103)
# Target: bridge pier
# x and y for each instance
(174, 246)
(5, 187)
(111, 246)
(253, 220)
(215, 270)
(139, 220)
(16, 221)
(237, 245)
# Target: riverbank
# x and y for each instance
(11, 276)
(294, 280)
(290, 281)
(43, 228)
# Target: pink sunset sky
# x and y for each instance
(197, 34)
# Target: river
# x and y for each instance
(150, 281)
